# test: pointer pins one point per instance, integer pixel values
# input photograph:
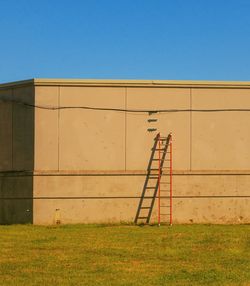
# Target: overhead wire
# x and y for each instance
(129, 110)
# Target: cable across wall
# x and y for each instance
(149, 111)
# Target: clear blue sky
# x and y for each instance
(125, 39)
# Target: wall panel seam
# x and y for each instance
(125, 135)
(58, 128)
(191, 131)
(12, 130)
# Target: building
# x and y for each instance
(61, 162)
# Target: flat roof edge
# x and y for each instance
(129, 83)
(140, 83)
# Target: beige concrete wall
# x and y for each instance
(86, 198)
(91, 140)
(139, 140)
(220, 141)
(77, 139)
(203, 198)
(90, 165)
(46, 137)
(74, 141)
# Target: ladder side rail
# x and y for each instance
(161, 164)
(159, 181)
(171, 178)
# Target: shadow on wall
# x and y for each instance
(149, 191)
(16, 203)
(16, 156)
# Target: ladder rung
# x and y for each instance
(157, 169)
(142, 217)
(165, 214)
(165, 190)
(145, 208)
(150, 188)
(160, 160)
(159, 149)
(167, 183)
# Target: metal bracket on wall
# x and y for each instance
(152, 129)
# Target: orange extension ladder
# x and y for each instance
(165, 186)
(158, 183)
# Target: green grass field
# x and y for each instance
(125, 255)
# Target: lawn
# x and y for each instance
(125, 255)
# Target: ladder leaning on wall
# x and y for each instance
(158, 183)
